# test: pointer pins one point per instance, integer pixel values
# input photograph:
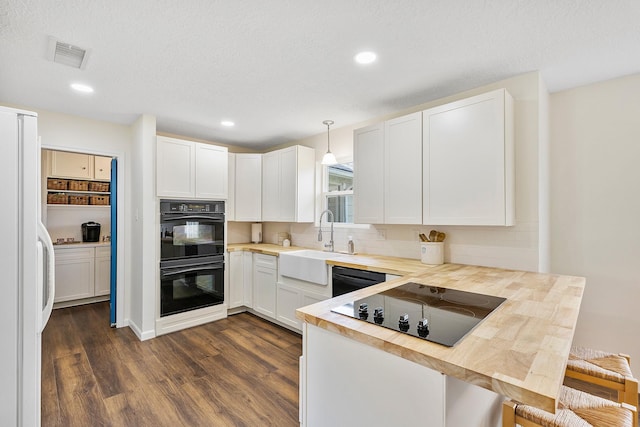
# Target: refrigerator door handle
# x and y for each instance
(49, 275)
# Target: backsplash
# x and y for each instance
(64, 222)
(503, 247)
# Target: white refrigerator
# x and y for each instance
(26, 260)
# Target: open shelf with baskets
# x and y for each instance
(72, 192)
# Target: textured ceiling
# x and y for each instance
(278, 68)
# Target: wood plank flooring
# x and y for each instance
(241, 371)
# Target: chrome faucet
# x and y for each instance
(330, 244)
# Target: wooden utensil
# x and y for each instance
(423, 238)
(441, 236)
(432, 235)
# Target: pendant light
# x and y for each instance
(329, 158)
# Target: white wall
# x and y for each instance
(145, 285)
(64, 221)
(509, 247)
(595, 207)
(71, 133)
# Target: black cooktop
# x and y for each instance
(439, 315)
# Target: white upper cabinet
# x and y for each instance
(388, 172)
(248, 187)
(175, 172)
(468, 161)
(62, 164)
(288, 178)
(211, 172)
(190, 169)
(102, 168)
(368, 169)
(231, 179)
(71, 165)
(403, 170)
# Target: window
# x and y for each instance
(338, 191)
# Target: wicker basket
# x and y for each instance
(79, 186)
(76, 199)
(57, 199)
(102, 187)
(98, 200)
(57, 184)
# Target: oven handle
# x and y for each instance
(214, 218)
(174, 272)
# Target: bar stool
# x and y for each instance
(575, 409)
(608, 370)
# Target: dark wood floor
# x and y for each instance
(241, 371)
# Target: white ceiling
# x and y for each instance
(278, 68)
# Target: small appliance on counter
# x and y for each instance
(90, 232)
(256, 233)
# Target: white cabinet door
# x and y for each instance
(102, 168)
(403, 170)
(265, 275)
(103, 271)
(74, 274)
(211, 171)
(236, 279)
(368, 158)
(247, 275)
(175, 167)
(248, 187)
(231, 185)
(71, 165)
(288, 178)
(288, 300)
(468, 158)
(271, 186)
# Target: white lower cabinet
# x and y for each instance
(265, 276)
(347, 376)
(103, 271)
(82, 273)
(240, 279)
(236, 279)
(289, 298)
(254, 283)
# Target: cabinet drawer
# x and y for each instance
(268, 261)
(75, 253)
(103, 251)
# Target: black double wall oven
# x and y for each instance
(191, 255)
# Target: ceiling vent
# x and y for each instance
(67, 54)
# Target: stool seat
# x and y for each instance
(575, 409)
(609, 370)
(600, 364)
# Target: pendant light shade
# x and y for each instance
(329, 158)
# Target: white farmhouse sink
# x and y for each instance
(307, 265)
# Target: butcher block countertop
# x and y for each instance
(520, 351)
(379, 263)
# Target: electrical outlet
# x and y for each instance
(382, 234)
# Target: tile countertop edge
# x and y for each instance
(519, 351)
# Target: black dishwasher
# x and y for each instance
(345, 280)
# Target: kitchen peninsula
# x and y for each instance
(356, 372)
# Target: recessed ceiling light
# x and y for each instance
(227, 123)
(365, 57)
(79, 87)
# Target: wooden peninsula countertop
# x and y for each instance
(520, 351)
